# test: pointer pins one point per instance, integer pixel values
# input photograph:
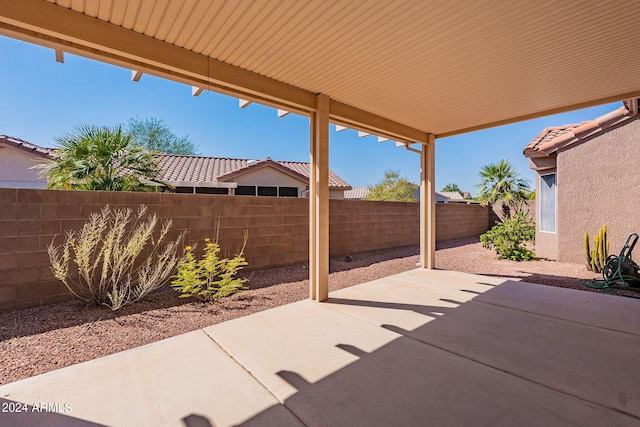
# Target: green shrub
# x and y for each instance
(117, 257)
(508, 237)
(210, 277)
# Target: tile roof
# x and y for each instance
(197, 169)
(335, 181)
(554, 138)
(27, 146)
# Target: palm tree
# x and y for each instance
(502, 183)
(100, 158)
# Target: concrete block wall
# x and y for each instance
(278, 229)
(457, 220)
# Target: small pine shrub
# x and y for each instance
(118, 259)
(211, 277)
(508, 237)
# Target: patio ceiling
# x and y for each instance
(398, 68)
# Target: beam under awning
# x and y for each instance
(319, 202)
(428, 204)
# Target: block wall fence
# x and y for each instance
(278, 229)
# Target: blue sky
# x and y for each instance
(43, 99)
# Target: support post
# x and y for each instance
(319, 202)
(428, 203)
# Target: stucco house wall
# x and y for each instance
(15, 168)
(598, 183)
(595, 166)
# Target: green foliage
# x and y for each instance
(118, 259)
(451, 187)
(502, 183)
(100, 158)
(393, 188)
(508, 237)
(211, 277)
(596, 258)
(156, 136)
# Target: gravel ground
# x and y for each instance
(38, 340)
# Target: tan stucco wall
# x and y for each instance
(15, 169)
(599, 183)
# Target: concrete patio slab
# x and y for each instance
(418, 348)
(467, 286)
(397, 381)
(588, 308)
(407, 383)
(583, 360)
(184, 380)
(591, 363)
(306, 334)
(410, 306)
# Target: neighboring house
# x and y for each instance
(188, 174)
(17, 157)
(587, 176)
(215, 175)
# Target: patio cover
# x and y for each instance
(408, 70)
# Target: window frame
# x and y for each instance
(292, 189)
(555, 202)
(246, 187)
(267, 188)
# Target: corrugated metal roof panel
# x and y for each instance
(442, 67)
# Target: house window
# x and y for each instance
(184, 190)
(547, 197)
(288, 191)
(268, 191)
(211, 190)
(245, 190)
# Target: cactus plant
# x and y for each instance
(587, 250)
(596, 258)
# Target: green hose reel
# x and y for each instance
(620, 273)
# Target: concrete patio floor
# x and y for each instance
(419, 348)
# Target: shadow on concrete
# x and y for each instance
(550, 280)
(195, 420)
(478, 364)
(427, 310)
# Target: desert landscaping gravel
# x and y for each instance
(38, 340)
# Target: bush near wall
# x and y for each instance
(278, 229)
